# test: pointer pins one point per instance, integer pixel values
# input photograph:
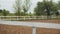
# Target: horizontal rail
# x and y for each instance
(24, 17)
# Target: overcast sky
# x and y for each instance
(8, 4)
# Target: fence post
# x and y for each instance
(0, 17)
(10, 18)
(24, 18)
(17, 18)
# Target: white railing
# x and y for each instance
(24, 17)
(20, 17)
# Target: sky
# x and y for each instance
(8, 4)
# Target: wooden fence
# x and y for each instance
(25, 17)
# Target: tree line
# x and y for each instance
(43, 8)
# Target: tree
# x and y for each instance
(18, 7)
(50, 7)
(0, 11)
(26, 6)
(58, 5)
(57, 14)
(5, 12)
(45, 7)
(39, 9)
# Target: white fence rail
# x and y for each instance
(23, 17)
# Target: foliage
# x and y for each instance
(45, 7)
(26, 6)
(58, 5)
(39, 9)
(5, 12)
(17, 7)
(0, 11)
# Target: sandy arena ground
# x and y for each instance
(46, 21)
(8, 29)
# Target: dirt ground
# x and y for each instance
(9, 29)
(46, 21)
